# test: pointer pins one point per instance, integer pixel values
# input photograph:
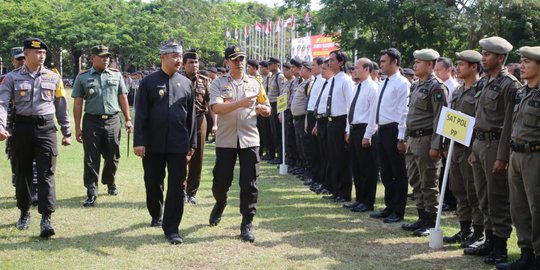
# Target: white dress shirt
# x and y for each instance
(341, 95)
(364, 107)
(394, 103)
(452, 84)
(315, 91)
(324, 97)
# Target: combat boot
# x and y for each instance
(526, 261)
(24, 220)
(417, 224)
(483, 249)
(477, 236)
(499, 254)
(246, 229)
(463, 234)
(429, 222)
(47, 229)
(217, 212)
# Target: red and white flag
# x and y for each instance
(267, 28)
(290, 22)
(236, 33)
(258, 27)
(228, 33)
(279, 25)
(246, 31)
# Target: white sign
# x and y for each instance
(456, 125)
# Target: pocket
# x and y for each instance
(531, 116)
(492, 99)
(421, 101)
(47, 91)
(469, 104)
(22, 92)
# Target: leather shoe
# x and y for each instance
(112, 190)
(90, 201)
(156, 223)
(362, 208)
(217, 212)
(174, 238)
(46, 227)
(24, 220)
(419, 223)
(192, 199)
(381, 214)
(246, 232)
(351, 205)
(340, 199)
(422, 231)
(392, 218)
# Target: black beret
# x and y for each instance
(286, 65)
(222, 69)
(34, 43)
(273, 60)
(232, 52)
(307, 64)
(263, 64)
(253, 62)
(296, 62)
(191, 54)
(203, 72)
(212, 69)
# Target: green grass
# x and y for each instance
(294, 228)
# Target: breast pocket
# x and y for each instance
(469, 104)
(421, 101)
(492, 100)
(531, 115)
(22, 92)
(47, 91)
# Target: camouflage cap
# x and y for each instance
(470, 56)
(170, 46)
(530, 52)
(17, 52)
(426, 55)
(496, 45)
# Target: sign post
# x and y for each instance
(458, 127)
(281, 107)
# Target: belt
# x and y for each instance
(335, 118)
(490, 135)
(299, 117)
(33, 119)
(103, 116)
(361, 125)
(319, 116)
(419, 133)
(531, 147)
(389, 125)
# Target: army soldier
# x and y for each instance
(275, 85)
(201, 86)
(103, 92)
(491, 147)
(524, 173)
(37, 94)
(428, 96)
(461, 175)
(237, 98)
(165, 137)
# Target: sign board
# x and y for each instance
(307, 48)
(282, 103)
(456, 125)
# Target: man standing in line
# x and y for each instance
(275, 85)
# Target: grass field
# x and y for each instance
(294, 229)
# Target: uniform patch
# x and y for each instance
(439, 95)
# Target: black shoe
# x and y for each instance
(174, 238)
(47, 229)
(457, 238)
(112, 190)
(156, 223)
(499, 253)
(526, 261)
(329, 197)
(419, 223)
(324, 191)
(473, 240)
(308, 182)
(482, 250)
(24, 220)
(422, 231)
(392, 218)
(90, 201)
(192, 199)
(246, 232)
(351, 205)
(447, 207)
(217, 212)
(340, 199)
(362, 208)
(381, 214)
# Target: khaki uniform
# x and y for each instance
(426, 101)
(461, 174)
(492, 142)
(524, 171)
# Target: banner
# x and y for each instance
(307, 48)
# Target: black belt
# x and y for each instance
(102, 116)
(419, 133)
(319, 116)
(361, 125)
(335, 118)
(531, 147)
(390, 125)
(33, 119)
(490, 135)
(299, 117)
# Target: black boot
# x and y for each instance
(417, 224)
(499, 254)
(429, 222)
(217, 212)
(477, 236)
(526, 261)
(246, 229)
(24, 220)
(481, 250)
(47, 229)
(463, 234)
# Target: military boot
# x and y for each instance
(417, 224)
(24, 220)
(217, 212)
(463, 234)
(483, 249)
(429, 222)
(526, 261)
(499, 253)
(477, 236)
(246, 229)
(47, 229)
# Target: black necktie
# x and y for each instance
(329, 101)
(380, 99)
(319, 98)
(353, 104)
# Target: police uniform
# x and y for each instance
(275, 85)
(461, 174)
(291, 155)
(165, 126)
(101, 124)
(494, 107)
(298, 111)
(263, 124)
(426, 101)
(37, 97)
(201, 88)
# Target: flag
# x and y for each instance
(258, 27)
(307, 19)
(290, 22)
(236, 33)
(267, 28)
(246, 31)
(279, 25)
(228, 33)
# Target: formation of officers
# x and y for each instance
(343, 128)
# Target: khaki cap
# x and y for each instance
(496, 45)
(530, 52)
(426, 54)
(469, 56)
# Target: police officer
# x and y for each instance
(103, 93)
(237, 98)
(291, 146)
(201, 86)
(461, 175)
(524, 173)
(491, 147)
(428, 96)
(264, 122)
(165, 138)
(37, 94)
(275, 85)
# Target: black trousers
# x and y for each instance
(101, 137)
(393, 169)
(262, 135)
(249, 171)
(363, 166)
(300, 139)
(311, 148)
(193, 180)
(290, 139)
(338, 153)
(34, 138)
(275, 129)
(154, 165)
(322, 139)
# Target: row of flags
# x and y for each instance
(267, 28)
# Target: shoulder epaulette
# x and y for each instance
(83, 71)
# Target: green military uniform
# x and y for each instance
(101, 123)
(426, 101)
